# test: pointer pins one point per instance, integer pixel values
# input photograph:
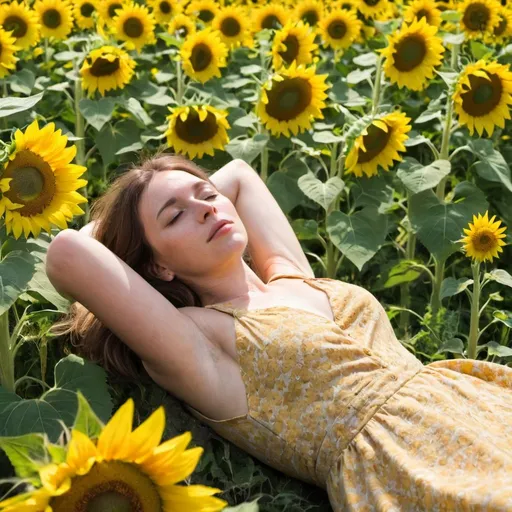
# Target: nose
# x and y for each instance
(207, 207)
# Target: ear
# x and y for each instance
(161, 272)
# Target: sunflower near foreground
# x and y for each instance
(479, 16)
(412, 54)
(293, 43)
(340, 28)
(234, 27)
(378, 145)
(196, 130)
(181, 26)
(39, 182)
(121, 470)
(55, 18)
(291, 99)
(483, 240)
(83, 11)
(134, 24)
(106, 68)
(165, 10)
(423, 9)
(7, 50)
(270, 16)
(22, 21)
(483, 96)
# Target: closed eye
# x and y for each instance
(176, 216)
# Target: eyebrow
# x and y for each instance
(196, 186)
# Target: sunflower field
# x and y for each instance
(383, 130)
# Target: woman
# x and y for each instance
(304, 373)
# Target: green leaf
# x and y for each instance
(454, 38)
(326, 137)
(247, 149)
(440, 225)
(97, 112)
(42, 415)
(501, 276)
(305, 229)
(366, 60)
(10, 105)
(86, 420)
(236, 83)
(132, 148)
(58, 453)
(372, 191)
(244, 507)
(454, 346)
(504, 317)
(360, 235)
(25, 452)
(322, 193)
(495, 349)
(479, 50)
(135, 108)
(402, 272)
(285, 190)
(453, 16)
(359, 75)
(451, 286)
(492, 166)
(418, 178)
(113, 138)
(23, 81)
(252, 69)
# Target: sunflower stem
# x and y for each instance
(435, 300)
(28, 377)
(334, 154)
(4, 95)
(80, 143)
(405, 297)
(475, 312)
(180, 84)
(376, 87)
(6, 356)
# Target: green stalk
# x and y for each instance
(180, 86)
(6, 357)
(80, 144)
(435, 300)
(376, 87)
(4, 95)
(264, 153)
(334, 166)
(475, 313)
(405, 297)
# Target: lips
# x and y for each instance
(217, 226)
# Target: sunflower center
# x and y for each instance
(230, 27)
(483, 95)
(337, 29)
(112, 8)
(310, 17)
(289, 98)
(104, 67)
(270, 21)
(195, 131)
(33, 183)
(409, 53)
(201, 57)
(500, 28)
(371, 3)
(374, 141)
(86, 10)
(165, 7)
(110, 486)
(423, 13)
(206, 15)
(292, 49)
(17, 25)
(476, 16)
(51, 18)
(484, 240)
(133, 27)
(182, 31)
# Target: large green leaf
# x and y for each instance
(86, 420)
(247, 149)
(11, 105)
(452, 286)
(501, 276)
(372, 192)
(97, 112)
(400, 272)
(440, 225)
(113, 138)
(492, 166)
(418, 178)
(322, 193)
(72, 373)
(360, 235)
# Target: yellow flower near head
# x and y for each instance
(181, 26)
(108, 9)
(7, 50)
(122, 470)
(204, 10)
(22, 21)
(479, 16)
(42, 189)
(196, 130)
(423, 9)
(83, 11)
(165, 10)
(291, 99)
(270, 16)
(309, 12)
(483, 96)
(234, 27)
(134, 24)
(373, 8)
(378, 145)
(502, 31)
(293, 43)
(483, 240)
(412, 54)
(202, 54)
(106, 68)
(55, 17)
(340, 28)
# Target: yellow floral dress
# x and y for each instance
(345, 406)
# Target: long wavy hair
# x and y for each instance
(118, 227)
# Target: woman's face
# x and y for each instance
(178, 233)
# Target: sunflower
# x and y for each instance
(291, 99)
(340, 28)
(108, 9)
(378, 144)
(483, 95)
(445, 5)
(196, 130)
(373, 8)
(412, 54)
(484, 238)
(55, 17)
(22, 21)
(503, 30)
(181, 26)
(234, 27)
(123, 469)
(44, 182)
(271, 16)
(106, 68)
(165, 10)
(205, 10)
(7, 49)
(83, 11)
(347, 5)
(309, 11)
(203, 53)
(423, 9)
(293, 43)
(479, 16)
(136, 25)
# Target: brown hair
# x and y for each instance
(118, 227)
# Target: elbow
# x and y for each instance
(59, 257)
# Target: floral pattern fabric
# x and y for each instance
(344, 405)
